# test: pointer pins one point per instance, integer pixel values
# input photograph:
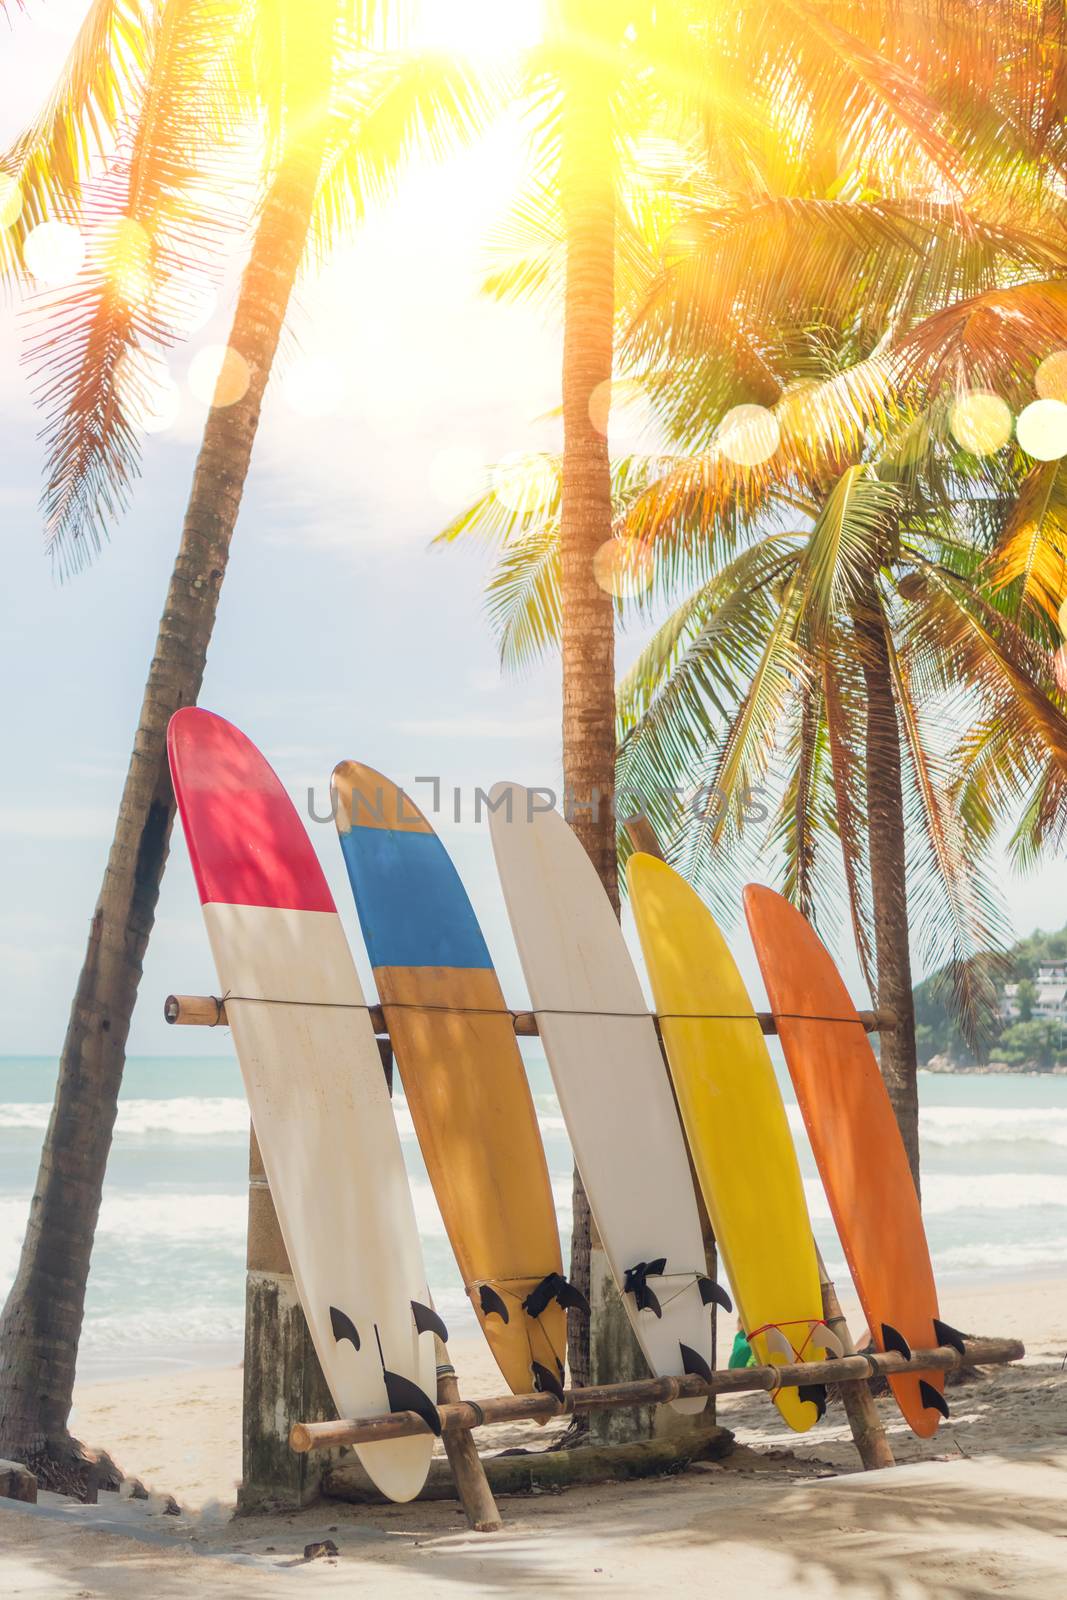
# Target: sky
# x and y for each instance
(340, 634)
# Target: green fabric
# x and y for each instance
(741, 1354)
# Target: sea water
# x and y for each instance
(167, 1282)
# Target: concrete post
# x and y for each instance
(283, 1381)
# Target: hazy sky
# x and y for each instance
(339, 634)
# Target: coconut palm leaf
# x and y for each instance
(147, 225)
(522, 598)
(1032, 550)
(952, 900)
(76, 126)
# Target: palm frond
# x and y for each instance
(77, 125)
(522, 598)
(148, 224)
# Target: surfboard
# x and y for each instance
(610, 1079)
(856, 1143)
(315, 1085)
(737, 1128)
(462, 1072)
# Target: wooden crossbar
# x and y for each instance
(465, 1414)
(209, 1011)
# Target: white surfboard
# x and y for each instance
(315, 1087)
(611, 1081)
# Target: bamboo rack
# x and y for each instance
(209, 1011)
(463, 1415)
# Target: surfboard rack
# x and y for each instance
(463, 1415)
(209, 1011)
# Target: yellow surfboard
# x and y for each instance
(736, 1125)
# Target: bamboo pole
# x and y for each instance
(468, 1472)
(868, 1434)
(209, 1011)
(465, 1415)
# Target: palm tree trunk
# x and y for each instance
(889, 894)
(587, 615)
(41, 1322)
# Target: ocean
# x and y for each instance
(167, 1281)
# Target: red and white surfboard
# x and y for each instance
(315, 1086)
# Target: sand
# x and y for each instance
(980, 1510)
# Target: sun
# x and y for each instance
(480, 28)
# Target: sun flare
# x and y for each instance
(480, 28)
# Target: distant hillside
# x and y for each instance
(1033, 1044)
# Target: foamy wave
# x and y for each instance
(955, 1126)
(186, 1117)
(988, 1191)
(958, 1125)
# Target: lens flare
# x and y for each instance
(623, 568)
(1042, 429)
(219, 375)
(525, 484)
(122, 250)
(980, 422)
(10, 200)
(748, 435)
(457, 475)
(315, 386)
(146, 391)
(54, 252)
(1050, 380)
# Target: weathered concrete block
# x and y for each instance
(17, 1482)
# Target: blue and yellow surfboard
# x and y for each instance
(462, 1073)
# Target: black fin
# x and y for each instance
(948, 1335)
(343, 1328)
(491, 1303)
(427, 1320)
(635, 1282)
(407, 1396)
(554, 1286)
(892, 1340)
(657, 1268)
(546, 1382)
(571, 1298)
(713, 1293)
(816, 1393)
(932, 1398)
(693, 1364)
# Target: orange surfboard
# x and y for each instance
(857, 1146)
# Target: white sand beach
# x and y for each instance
(976, 1511)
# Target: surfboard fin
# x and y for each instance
(492, 1304)
(546, 1382)
(827, 1340)
(554, 1286)
(892, 1340)
(777, 1343)
(343, 1328)
(407, 1396)
(427, 1320)
(932, 1398)
(636, 1283)
(816, 1394)
(693, 1363)
(948, 1335)
(712, 1293)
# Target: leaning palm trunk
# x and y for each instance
(889, 895)
(587, 617)
(41, 1322)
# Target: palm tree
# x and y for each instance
(824, 218)
(334, 133)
